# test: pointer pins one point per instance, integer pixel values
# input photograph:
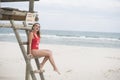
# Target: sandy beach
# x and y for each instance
(74, 63)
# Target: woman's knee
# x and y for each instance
(49, 52)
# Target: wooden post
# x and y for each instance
(23, 50)
(27, 77)
(31, 6)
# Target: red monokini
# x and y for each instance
(35, 42)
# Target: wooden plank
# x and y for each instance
(15, 0)
(16, 14)
(19, 26)
(13, 11)
(9, 17)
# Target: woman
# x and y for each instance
(34, 40)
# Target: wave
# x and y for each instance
(67, 37)
(80, 37)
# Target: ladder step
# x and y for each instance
(31, 57)
(23, 43)
(23, 28)
(39, 71)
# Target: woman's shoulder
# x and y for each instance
(31, 33)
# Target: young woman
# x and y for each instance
(34, 40)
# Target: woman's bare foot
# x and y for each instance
(56, 70)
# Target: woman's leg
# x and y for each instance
(46, 53)
(43, 62)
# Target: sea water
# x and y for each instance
(73, 38)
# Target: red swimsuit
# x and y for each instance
(35, 42)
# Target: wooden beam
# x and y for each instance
(15, 0)
(19, 15)
(21, 27)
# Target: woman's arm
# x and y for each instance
(30, 41)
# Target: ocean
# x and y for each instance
(73, 38)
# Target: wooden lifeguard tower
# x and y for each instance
(12, 15)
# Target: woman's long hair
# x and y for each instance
(38, 32)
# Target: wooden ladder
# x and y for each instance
(29, 69)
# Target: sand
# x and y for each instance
(74, 63)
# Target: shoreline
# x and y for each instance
(74, 62)
(66, 45)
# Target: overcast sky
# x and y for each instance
(82, 15)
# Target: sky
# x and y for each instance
(80, 15)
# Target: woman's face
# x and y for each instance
(36, 27)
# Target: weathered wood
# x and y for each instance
(19, 26)
(27, 77)
(31, 5)
(24, 43)
(8, 17)
(11, 13)
(15, 0)
(16, 14)
(38, 67)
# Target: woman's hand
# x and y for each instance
(30, 56)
